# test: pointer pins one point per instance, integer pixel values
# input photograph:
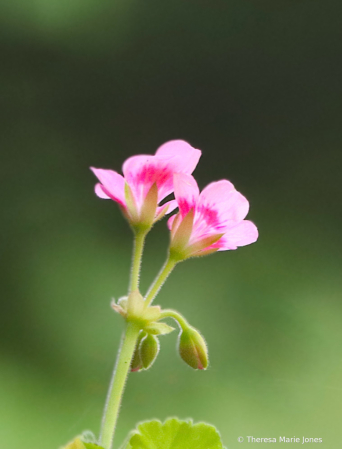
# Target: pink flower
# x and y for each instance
(147, 180)
(212, 220)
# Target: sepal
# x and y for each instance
(181, 236)
(198, 248)
(205, 252)
(132, 210)
(149, 208)
(121, 306)
(162, 212)
(135, 306)
(133, 309)
(159, 328)
(152, 313)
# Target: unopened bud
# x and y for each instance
(149, 348)
(193, 349)
(136, 364)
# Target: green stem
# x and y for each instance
(139, 241)
(160, 280)
(117, 385)
(169, 313)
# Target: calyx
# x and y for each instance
(133, 309)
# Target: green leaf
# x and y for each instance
(174, 434)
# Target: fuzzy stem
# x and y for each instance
(169, 313)
(117, 385)
(160, 280)
(139, 240)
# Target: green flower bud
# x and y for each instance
(136, 364)
(192, 348)
(149, 348)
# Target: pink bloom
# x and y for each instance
(212, 220)
(147, 180)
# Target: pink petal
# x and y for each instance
(142, 171)
(183, 157)
(171, 206)
(100, 193)
(112, 185)
(242, 234)
(186, 192)
(222, 204)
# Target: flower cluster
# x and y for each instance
(206, 222)
(213, 220)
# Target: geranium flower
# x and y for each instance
(210, 221)
(146, 181)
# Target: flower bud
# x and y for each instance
(136, 364)
(149, 348)
(192, 348)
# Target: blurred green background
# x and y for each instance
(255, 84)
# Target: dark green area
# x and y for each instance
(255, 84)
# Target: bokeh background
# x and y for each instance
(256, 85)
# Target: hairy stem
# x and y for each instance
(169, 313)
(117, 384)
(160, 280)
(139, 241)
